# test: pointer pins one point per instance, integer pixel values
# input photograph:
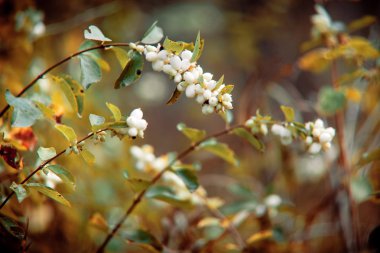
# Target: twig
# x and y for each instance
(42, 165)
(34, 81)
(140, 196)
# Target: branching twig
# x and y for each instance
(140, 196)
(42, 165)
(34, 81)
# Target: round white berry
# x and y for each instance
(137, 113)
(189, 77)
(186, 54)
(157, 65)
(190, 91)
(132, 131)
(175, 61)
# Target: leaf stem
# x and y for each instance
(140, 196)
(42, 165)
(43, 73)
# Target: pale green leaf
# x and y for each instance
(361, 188)
(288, 113)
(192, 134)
(243, 133)
(96, 120)
(331, 101)
(25, 112)
(46, 153)
(116, 113)
(49, 192)
(189, 178)
(153, 35)
(94, 33)
(198, 48)
(62, 173)
(220, 149)
(167, 195)
(91, 72)
(137, 184)
(68, 132)
(132, 70)
(21, 192)
(227, 89)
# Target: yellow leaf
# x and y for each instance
(115, 111)
(314, 61)
(353, 94)
(99, 222)
(262, 235)
(68, 132)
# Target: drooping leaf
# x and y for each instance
(189, 178)
(144, 237)
(96, 120)
(288, 113)
(220, 149)
(164, 193)
(25, 112)
(137, 184)
(88, 157)
(68, 132)
(198, 48)
(62, 173)
(368, 157)
(19, 189)
(132, 70)
(78, 92)
(116, 113)
(121, 55)
(49, 192)
(11, 156)
(331, 101)
(153, 35)
(174, 98)
(90, 70)
(46, 153)
(192, 134)
(94, 33)
(361, 188)
(256, 143)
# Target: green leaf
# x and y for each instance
(141, 236)
(198, 48)
(21, 192)
(13, 231)
(78, 91)
(94, 33)
(174, 98)
(361, 188)
(25, 112)
(91, 72)
(175, 47)
(331, 101)
(220, 82)
(46, 153)
(68, 132)
(227, 116)
(227, 89)
(49, 192)
(137, 184)
(132, 70)
(115, 111)
(121, 55)
(62, 173)
(167, 195)
(361, 23)
(192, 134)
(88, 157)
(189, 178)
(96, 120)
(288, 113)
(153, 35)
(256, 143)
(369, 157)
(220, 149)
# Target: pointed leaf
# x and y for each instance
(91, 72)
(78, 91)
(69, 93)
(153, 35)
(138, 184)
(99, 221)
(46, 153)
(96, 120)
(198, 48)
(288, 113)
(68, 132)
(21, 192)
(189, 178)
(115, 111)
(62, 173)
(175, 96)
(25, 112)
(243, 133)
(49, 192)
(220, 149)
(94, 33)
(192, 134)
(361, 23)
(11, 232)
(167, 195)
(132, 70)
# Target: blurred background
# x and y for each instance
(255, 44)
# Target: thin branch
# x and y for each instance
(42, 165)
(140, 196)
(43, 73)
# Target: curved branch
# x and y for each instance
(34, 81)
(42, 165)
(140, 196)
